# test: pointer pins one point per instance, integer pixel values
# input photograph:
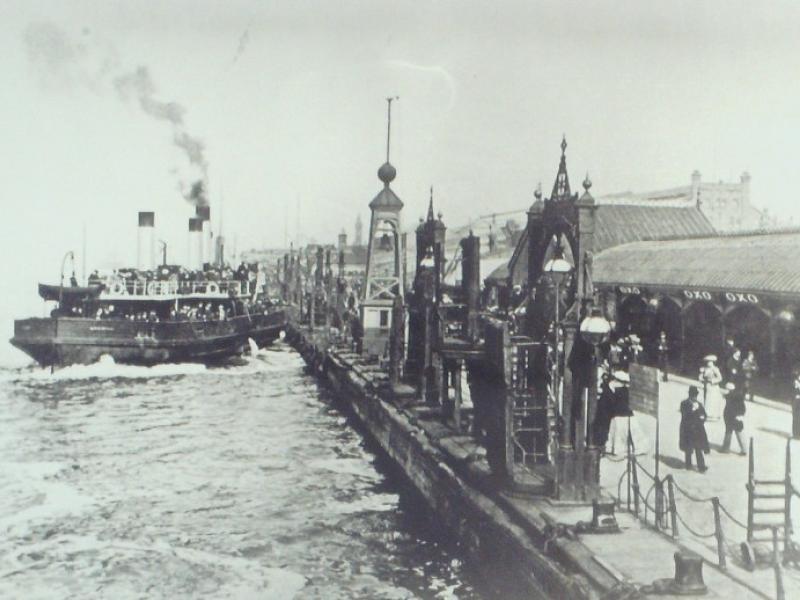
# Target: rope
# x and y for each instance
(688, 495)
(731, 517)
(664, 509)
(692, 531)
(646, 472)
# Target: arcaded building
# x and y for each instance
(702, 290)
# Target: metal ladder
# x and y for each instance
(530, 414)
(769, 504)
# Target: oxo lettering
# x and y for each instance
(697, 294)
(741, 297)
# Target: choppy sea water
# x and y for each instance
(182, 481)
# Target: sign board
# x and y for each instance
(723, 297)
(643, 391)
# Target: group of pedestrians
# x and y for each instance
(733, 384)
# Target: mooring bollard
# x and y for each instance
(603, 518)
(688, 580)
(689, 573)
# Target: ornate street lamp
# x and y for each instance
(594, 329)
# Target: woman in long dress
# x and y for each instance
(710, 378)
(624, 422)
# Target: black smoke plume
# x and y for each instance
(66, 61)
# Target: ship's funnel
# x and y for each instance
(204, 214)
(219, 251)
(195, 254)
(146, 242)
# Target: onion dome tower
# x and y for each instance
(383, 282)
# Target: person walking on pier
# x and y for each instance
(732, 416)
(749, 369)
(733, 369)
(663, 358)
(693, 437)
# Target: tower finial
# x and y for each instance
(387, 172)
(389, 122)
(538, 192)
(561, 187)
(587, 183)
(430, 206)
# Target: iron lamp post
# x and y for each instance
(594, 329)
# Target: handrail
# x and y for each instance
(152, 287)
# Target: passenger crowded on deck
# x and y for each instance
(136, 298)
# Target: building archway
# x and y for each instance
(668, 320)
(786, 329)
(702, 327)
(632, 315)
(749, 327)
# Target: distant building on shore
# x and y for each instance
(726, 205)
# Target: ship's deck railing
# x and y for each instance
(155, 288)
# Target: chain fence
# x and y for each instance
(655, 500)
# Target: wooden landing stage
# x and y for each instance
(530, 537)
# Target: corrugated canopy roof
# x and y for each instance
(617, 224)
(622, 223)
(762, 262)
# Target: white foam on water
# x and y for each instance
(44, 498)
(105, 368)
(237, 577)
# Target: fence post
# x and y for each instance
(780, 593)
(658, 504)
(673, 509)
(718, 533)
(628, 468)
(635, 488)
(787, 523)
(750, 491)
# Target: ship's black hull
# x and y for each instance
(67, 341)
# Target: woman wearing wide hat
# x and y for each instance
(710, 377)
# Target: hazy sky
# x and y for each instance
(289, 101)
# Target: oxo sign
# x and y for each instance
(734, 297)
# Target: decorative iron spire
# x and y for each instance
(561, 188)
(430, 206)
